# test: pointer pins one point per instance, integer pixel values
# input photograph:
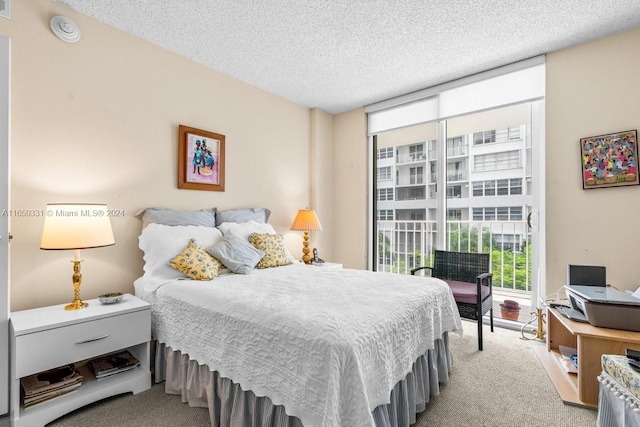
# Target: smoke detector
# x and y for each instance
(65, 29)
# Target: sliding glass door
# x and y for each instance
(466, 184)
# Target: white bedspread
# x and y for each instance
(327, 344)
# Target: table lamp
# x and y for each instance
(76, 226)
(306, 220)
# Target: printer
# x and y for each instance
(604, 306)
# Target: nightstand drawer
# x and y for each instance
(51, 348)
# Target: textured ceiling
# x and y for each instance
(337, 55)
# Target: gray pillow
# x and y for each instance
(260, 215)
(236, 254)
(203, 217)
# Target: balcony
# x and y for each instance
(410, 158)
(404, 245)
(410, 180)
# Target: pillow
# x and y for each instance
(246, 229)
(161, 243)
(273, 247)
(195, 262)
(260, 215)
(204, 217)
(236, 254)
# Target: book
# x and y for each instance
(113, 363)
(45, 385)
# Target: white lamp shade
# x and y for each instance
(76, 226)
(306, 220)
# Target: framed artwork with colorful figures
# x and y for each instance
(200, 159)
(610, 160)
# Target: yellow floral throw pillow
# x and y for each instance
(195, 262)
(273, 247)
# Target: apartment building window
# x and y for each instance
(501, 187)
(385, 215)
(454, 191)
(385, 153)
(510, 213)
(454, 214)
(497, 135)
(497, 161)
(385, 194)
(411, 193)
(456, 146)
(416, 151)
(416, 175)
(384, 174)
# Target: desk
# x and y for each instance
(591, 342)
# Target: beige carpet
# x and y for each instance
(504, 385)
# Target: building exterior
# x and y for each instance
(488, 183)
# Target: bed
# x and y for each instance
(295, 345)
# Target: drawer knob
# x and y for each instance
(93, 339)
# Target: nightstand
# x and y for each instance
(50, 337)
(328, 265)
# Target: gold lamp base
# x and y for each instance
(77, 303)
(306, 258)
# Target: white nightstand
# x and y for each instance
(328, 265)
(49, 337)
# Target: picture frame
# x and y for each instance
(609, 160)
(200, 159)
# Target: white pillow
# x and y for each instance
(161, 243)
(246, 229)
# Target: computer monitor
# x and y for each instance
(586, 275)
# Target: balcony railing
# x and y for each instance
(410, 180)
(410, 158)
(404, 245)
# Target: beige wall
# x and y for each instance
(592, 89)
(97, 121)
(351, 190)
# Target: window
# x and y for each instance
(503, 187)
(454, 214)
(515, 186)
(504, 213)
(417, 151)
(456, 147)
(385, 194)
(497, 161)
(385, 153)
(454, 191)
(498, 135)
(385, 215)
(384, 174)
(478, 189)
(416, 175)
(489, 188)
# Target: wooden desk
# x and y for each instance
(592, 342)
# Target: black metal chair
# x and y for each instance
(468, 276)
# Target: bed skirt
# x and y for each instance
(230, 405)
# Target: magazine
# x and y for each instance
(113, 363)
(48, 384)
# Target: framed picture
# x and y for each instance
(609, 160)
(200, 159)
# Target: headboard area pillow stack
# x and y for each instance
(172, 239)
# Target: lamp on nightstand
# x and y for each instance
(306, 220)
(76, 226)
